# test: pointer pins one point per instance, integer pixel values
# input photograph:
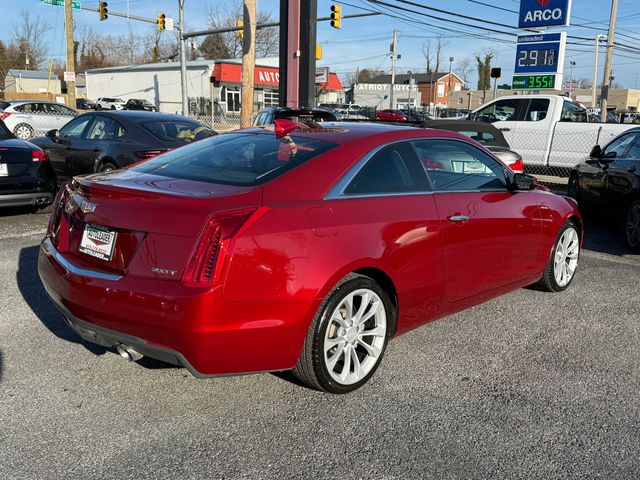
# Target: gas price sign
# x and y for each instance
(540, 53)
(539, 59)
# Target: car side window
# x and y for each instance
(619, 146)
(56, 109)
(102, 129)
(572, 113)
(634, 151)
(393, 169)
(120, 131)
(74, 129)
(458, 166)
(500, 111)
(537, 111)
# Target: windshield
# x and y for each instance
(177, 131)
(236, 158)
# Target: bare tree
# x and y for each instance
(267, 39)
(464, 69)
(433, 55)
(28, 36)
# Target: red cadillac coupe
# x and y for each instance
(300, 247)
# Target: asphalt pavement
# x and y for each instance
(530, 385)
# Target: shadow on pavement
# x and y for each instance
(604, 236)
(34, 294)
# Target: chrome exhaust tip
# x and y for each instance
(128, 353)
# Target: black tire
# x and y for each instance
(573, 187)
(98, 107)
(106, 167)
(113, 107)
(548, 281)
(311, 369)
(25, 128)
(632, 226)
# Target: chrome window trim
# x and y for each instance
(337, 191)
(50, 251)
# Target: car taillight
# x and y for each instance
(4, 115)
(38, 156)
(208, 255)
(146, 154)
(517, 166)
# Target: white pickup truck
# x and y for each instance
(547, 130)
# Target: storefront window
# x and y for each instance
(231, 96)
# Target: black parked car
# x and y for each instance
(108, 140)
(609, 181)
(137, 104)
(85, 104)
(268, 115)
(26, 177)
(484, 133)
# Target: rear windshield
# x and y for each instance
(481, 137)
(236, 158)
(177, 131)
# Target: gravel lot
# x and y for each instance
(530, 385)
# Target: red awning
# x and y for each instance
(263, 76)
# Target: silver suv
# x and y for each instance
(109, 103)
(34, 118)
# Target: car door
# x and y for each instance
(59, 115)
(59, 150)
(504, 115)
(623, 180)
(593, 173)
(491, 235)
(87, 149)
(386, 204)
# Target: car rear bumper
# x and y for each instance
(195, 328)
(25, 199)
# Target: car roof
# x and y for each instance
(143, 115)
(18, 102)
(346, 132)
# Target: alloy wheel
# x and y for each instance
(633, 225)
(566, 257)
(355, 336)
(23, 132)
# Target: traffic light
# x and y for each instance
(161, 22)
(496, 73)
(240, 33)
(102, 9)
(336, 15)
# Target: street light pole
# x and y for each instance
(594, 93)
(393, 68)
(607, 64)
(183, 60)
(572, 64)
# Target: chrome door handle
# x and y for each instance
(458, 218)
(505, 129)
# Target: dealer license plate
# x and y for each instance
(98, 241)
(4, 170)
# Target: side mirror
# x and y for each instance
(596, 152)
(522, 181)
(52, 134)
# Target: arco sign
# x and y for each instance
(544, 13)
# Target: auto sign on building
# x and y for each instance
(540, 57)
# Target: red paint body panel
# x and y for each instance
(279, 266)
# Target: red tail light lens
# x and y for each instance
(38, 156)
(517, 166)
(4, 115)
(147, 154)
(207, 258)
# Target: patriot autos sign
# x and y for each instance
(544, 13)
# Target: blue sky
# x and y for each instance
(364, 42)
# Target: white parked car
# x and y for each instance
(110, 103)
(34, 118)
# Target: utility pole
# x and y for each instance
(71, 67)
(572, 64)
(594, 93)
(449, 86)
(248, 61)
(607, 64)
(393, 67)
(183, 61)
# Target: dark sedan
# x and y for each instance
(105, 141)
(137, 104)
(609, 181)
(486, 134)
(26, 177)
